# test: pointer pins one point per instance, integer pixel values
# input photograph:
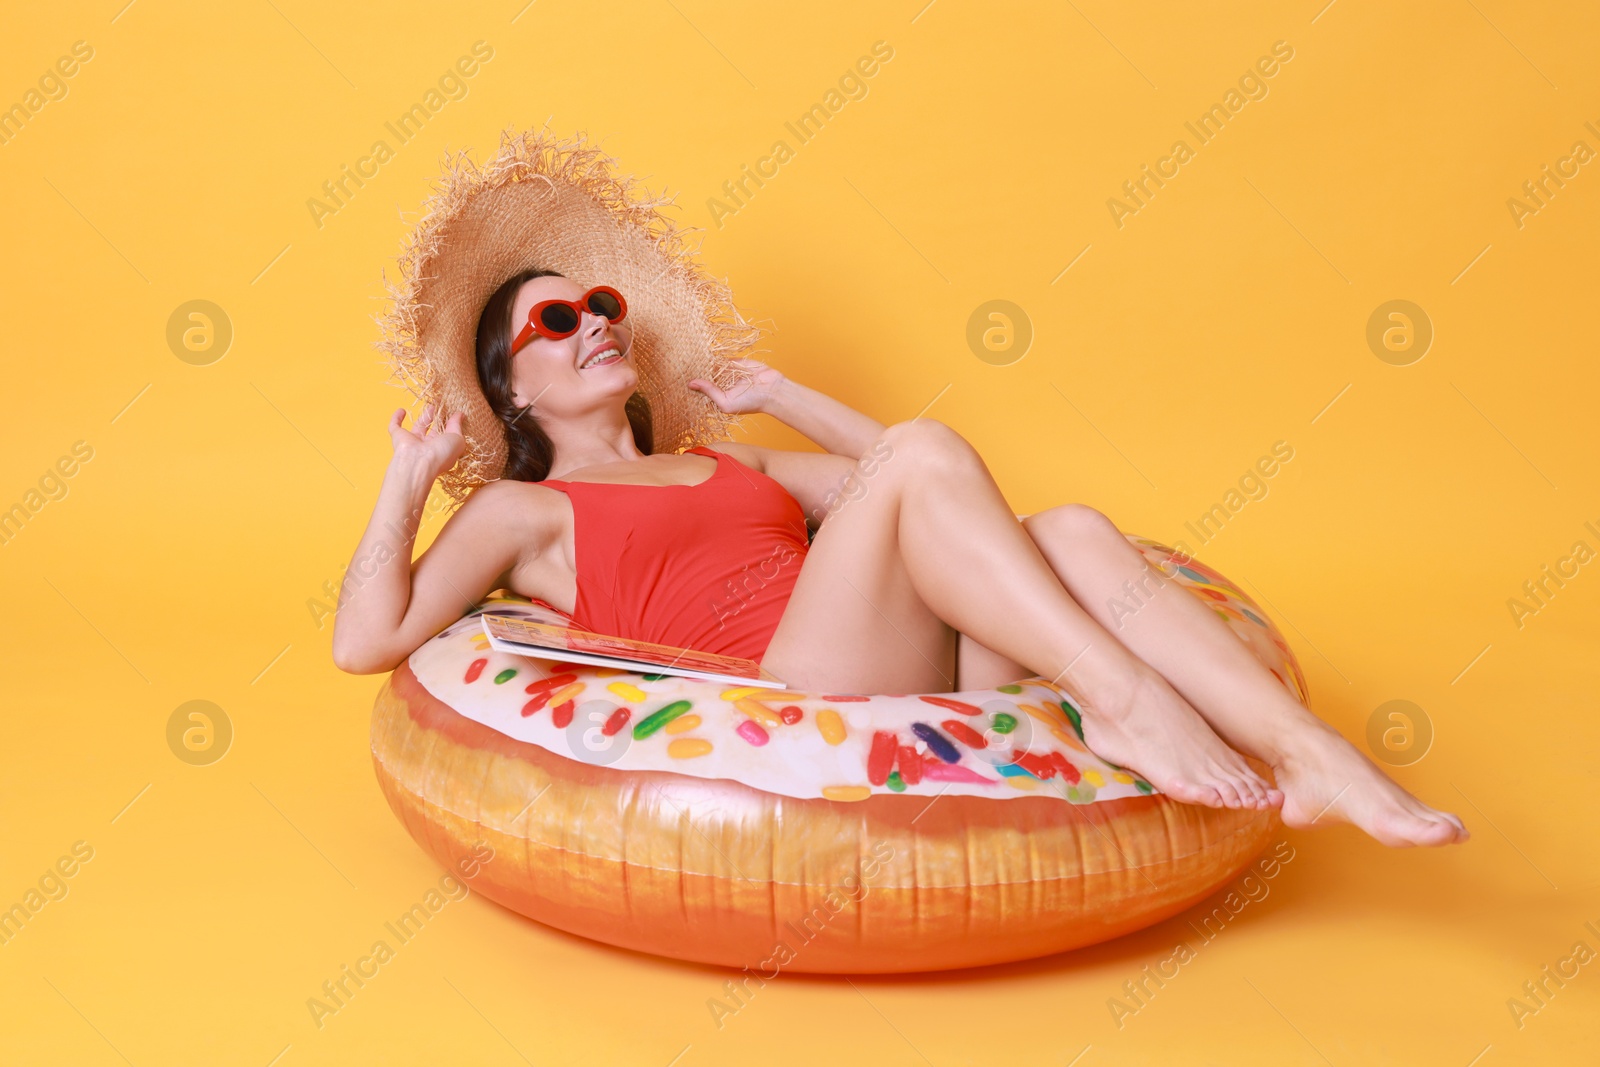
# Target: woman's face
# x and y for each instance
(573, 375)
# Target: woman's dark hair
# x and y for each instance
(529, 451)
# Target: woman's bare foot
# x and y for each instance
(1325, 780)
(1149, 728)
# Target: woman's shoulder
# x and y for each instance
(514, 505)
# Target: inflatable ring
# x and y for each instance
(775, 830)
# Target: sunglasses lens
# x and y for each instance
(559, 318)
(605, 304)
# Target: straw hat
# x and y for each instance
(558, 205)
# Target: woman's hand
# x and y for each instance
(434, 449)
(746, 395)
(389, 606)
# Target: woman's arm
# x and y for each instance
(387, 607)
(836, 427)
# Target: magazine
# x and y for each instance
(533, 631)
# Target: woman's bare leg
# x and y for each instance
(978, 667)
(932, 543)
(1324, 777)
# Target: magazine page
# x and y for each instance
(534, 631)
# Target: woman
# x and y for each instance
(918, 577)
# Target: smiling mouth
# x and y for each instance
(609, 354)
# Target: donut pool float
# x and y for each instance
(822, 832)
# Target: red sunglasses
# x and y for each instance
(556, 319)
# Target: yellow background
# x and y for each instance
(1226, 315)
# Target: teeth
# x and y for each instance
(603, 354)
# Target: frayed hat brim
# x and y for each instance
(557, 205)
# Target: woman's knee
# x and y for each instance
(928, 441)
(1070, 523)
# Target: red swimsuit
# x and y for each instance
(707, 566)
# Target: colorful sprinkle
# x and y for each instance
(1022, 782)
(752, 732)
(652, 677)
(831, 726)
(658, 718)
(843, 698)
(1012, 689)
(1117, 776)
(964, 733)
(688, 747)
(567, 693)
(1073, 716)
(1143, 786)
(1003, 723)
(1070, 740)
(896, 782)
(730, 695)
(533, 705)
(946, 772)
(617, 720)
(1066, 767)
(845, 792)
(627, 692)
(551, 684)
(938, 744)
(1012, 771)
(505, 676)
(683, 724)
(880, 760)
(953, 705)
(1094, 778)
(1040, 766)
(1052, 721)
(757, 710)
(790, 714)
(910, 763)
(474, 669)
(561, 714)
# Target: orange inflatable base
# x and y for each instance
(714, 871)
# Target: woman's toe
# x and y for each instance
(1195, 793)
(1251, 788)
(1258, 789)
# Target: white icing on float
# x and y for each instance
(1012, 741)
